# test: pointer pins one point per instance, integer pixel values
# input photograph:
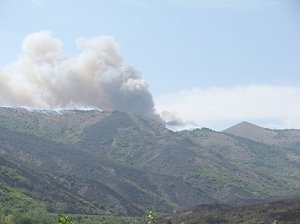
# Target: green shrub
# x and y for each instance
(65, 220)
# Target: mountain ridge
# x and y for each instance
(146, 165)
(279, 137)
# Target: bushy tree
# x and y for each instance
(152, 217)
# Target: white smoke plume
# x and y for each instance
(45, 77)
(173, 121)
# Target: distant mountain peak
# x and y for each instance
(251, 131)
(243, 125)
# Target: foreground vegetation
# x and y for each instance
(278, 212)
(18, 208)
(41, 216)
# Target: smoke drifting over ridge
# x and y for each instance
(44, 77)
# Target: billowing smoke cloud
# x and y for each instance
(173, 121)
(45, 77)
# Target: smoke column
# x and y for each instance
(44, 77)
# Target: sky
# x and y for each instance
(196, 63)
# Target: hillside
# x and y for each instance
(289, 138)
(123, 164)
(27, 186)
(283, 211)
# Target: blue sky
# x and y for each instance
(181, 47)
